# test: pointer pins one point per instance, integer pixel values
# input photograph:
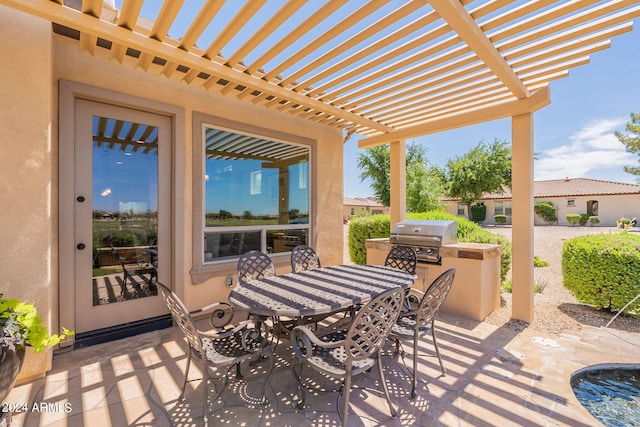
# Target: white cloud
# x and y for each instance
(591, 148)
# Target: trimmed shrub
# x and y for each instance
(593, 220)
(546, 211)
(363, 228)
(478, 213)
(584, 218)
(574, 219)
(500, 219)
(603, 269)
(379, 226)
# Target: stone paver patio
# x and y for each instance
(495, 377)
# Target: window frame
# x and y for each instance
(505, 207)
(201, 270)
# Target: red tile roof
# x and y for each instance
(569, 187)
(573, 187)
(361, 201)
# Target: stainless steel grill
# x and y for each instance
(425, 236)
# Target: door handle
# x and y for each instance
(81, 246)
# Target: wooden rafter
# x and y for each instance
(374, 68)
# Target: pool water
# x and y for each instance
(611, 394)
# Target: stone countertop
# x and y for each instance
(470, 250)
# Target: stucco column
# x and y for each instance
(397, 181)
(522, 217)
(27, 233)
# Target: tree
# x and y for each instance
(484, 169)
(424, 182)
(631, 142)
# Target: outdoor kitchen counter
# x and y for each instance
(475, 292)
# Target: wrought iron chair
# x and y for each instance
(140, 271)
(419, 319)
(227, 345)
(304, 258)
(255, 265)
(403, 258)
(356, 353)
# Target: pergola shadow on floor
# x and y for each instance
(495, 376)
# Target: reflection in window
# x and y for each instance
(256, 194)
(125, 210)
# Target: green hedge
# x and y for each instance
(546, 211)
(478, 213)
(603, 269)
(379, 226)
(500, 219)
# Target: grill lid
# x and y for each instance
(425, 232)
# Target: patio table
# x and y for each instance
(316, 292)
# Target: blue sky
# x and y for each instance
(573, 136)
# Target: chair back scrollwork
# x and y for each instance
(255, 265)
(304, 258)
(402, 258)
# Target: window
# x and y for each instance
(255, 194)
(502, 208)
(461, 207)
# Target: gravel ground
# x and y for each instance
(555, 309)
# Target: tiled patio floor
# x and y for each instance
(496, 376)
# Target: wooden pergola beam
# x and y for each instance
(67, 16)
(465, 26)
(503, 110)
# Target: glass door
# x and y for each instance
(122, 182)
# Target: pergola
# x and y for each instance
(382, 70)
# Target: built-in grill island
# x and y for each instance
(475, 292)
(426, 237)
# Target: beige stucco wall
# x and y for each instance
(611, 207)
(27, 169)
(29, 148)
(371, 210)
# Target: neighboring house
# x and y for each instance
(373, 206)
(607, 200)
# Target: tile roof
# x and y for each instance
(362, 201)
(573, 187)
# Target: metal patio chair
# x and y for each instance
(356, 353)
(255, 265)
(224, 347)
(140, 271)
(416, 321)
(403, 258)
(304, 258)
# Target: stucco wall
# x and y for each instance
(27, 167)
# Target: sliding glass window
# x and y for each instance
(256, 194)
